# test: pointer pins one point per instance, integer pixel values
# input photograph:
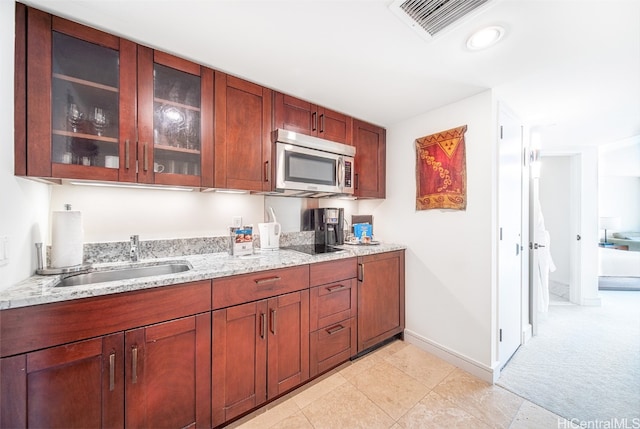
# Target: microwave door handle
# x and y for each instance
(340, 172)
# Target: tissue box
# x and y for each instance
(241, 241)
(362, 230)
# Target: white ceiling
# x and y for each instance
(568, 68)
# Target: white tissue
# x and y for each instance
(66, 239)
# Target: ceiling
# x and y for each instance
(568, 68)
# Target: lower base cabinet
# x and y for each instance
(154, 376)
(380, 298)
(261, 350)
(143, 367)
(169, 361)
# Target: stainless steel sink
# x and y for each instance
(124, 274)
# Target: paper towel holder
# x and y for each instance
(49, 271)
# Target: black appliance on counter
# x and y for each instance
(328, 224)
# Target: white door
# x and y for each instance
(510, 240)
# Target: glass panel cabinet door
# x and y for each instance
(176, 121)
(85, 103)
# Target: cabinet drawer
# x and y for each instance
(251, 287)
(332, 303)
(331, 346)
(332, 271)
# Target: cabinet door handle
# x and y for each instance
(357, 181)
(322, 123)
(314, 121)
(273, 321)
(263, 325)
(145, 157)
(267, 172)
(112, 371)
(127, 154)
(335, 329)
(134, 365)
(267, 280)
(335, 288)
(360, 272)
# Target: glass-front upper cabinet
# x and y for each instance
(80, 101)
(85, 109)
(175, 98)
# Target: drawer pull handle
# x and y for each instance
(335, 329)
(273, 321)
(267, 280)
(112, 371)
(335, 288)
(134, 365)
(360, 272)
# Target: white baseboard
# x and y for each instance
(527, 333)
(484, 372)
(596, 302)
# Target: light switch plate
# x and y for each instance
(237, 221)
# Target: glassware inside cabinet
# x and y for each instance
(85, 103)
(176, 121)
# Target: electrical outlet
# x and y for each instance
(237, 221)
(4, 251)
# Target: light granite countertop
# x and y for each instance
(42, 289)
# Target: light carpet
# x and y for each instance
(584, 363)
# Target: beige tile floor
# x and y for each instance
(400, 386)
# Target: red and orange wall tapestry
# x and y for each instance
(441, 171)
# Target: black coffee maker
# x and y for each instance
(327, 224)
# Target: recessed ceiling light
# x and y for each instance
(485, 37)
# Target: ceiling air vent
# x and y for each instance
(430, 17)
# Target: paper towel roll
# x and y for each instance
(66, 239)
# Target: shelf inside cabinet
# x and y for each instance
(85, 136)
(176, 104)
(85, 82)
(177, 149)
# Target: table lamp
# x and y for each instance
(609, 222)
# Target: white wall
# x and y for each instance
(23, 203)
(620, 196)
(113, 214)
(450, 278)
(619, 183)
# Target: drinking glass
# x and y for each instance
(74, 116)
(99, 120)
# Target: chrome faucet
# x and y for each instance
(135, 244)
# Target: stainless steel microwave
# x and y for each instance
(308, 166)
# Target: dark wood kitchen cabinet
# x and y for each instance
(260, 348)
(91, 363)
(175, 120)
(380, 298)
(90, 105)
(333, 311)
(242, 135)
(301, 116)
(370, 160)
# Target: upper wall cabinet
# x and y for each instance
(371, 147)
(76, 107)
(175, 115)
(297, 115)
(242, 135)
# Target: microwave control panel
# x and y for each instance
(347, 174)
